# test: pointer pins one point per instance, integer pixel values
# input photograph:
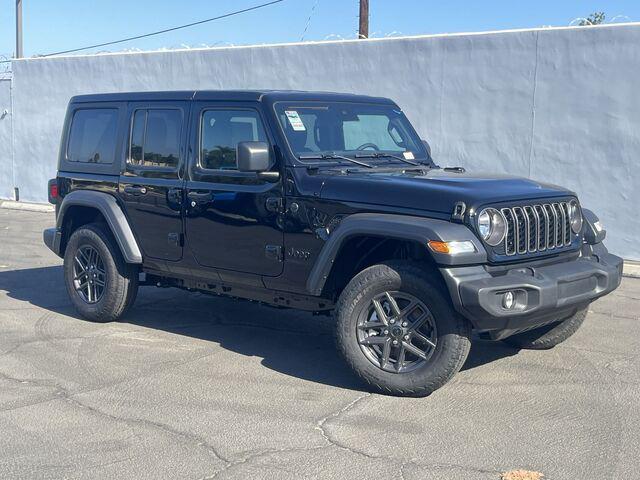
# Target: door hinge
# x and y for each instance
(273, 252)
(274, 204)
(175, 239)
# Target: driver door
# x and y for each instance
(232, 218)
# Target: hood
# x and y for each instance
(438, 190)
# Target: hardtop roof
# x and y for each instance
(228, 95)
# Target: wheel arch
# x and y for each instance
(379, 237)
(81, 207)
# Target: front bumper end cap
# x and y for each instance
(540, 295)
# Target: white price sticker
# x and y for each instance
(295, 120)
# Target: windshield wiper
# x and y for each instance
(383, 155)
(333, 156)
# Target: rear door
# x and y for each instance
(151, 186)
(233, 218)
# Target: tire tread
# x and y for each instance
(125, 287)
(381, 273)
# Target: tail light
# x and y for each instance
(53, 191)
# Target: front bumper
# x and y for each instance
(543, 294)
(52, 239)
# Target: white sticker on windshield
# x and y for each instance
(295, 120)
(408, 155)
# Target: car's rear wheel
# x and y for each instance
(398, 331)
(100, 283)
(550, 335)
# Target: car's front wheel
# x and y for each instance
(100, 283)
(398, 331)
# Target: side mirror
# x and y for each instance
(253, 157)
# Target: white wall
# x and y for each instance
(6, 161)
(560, 105)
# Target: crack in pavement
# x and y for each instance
(53, 340)
(332, 441)
(332, 416)
(61, 391)
(262, 453)
(37, 383)
(401, 470)
(319, 426)
(190, 437)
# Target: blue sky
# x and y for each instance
(53, 25)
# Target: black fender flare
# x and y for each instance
(112, 213)
(401, 227)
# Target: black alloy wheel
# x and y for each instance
(89, 276)
(397, 332)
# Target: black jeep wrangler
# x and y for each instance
(321, 202)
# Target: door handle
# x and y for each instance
(201, 196)
(135, 190)
(196, 198)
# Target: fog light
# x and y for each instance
(508, 300)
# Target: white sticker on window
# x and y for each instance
(408, 155)
(295, 120)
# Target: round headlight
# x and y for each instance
(575, 216)
(492, 226)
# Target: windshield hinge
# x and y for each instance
(459, 210)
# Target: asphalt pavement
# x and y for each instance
(193, 386)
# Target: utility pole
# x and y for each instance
(18, 28)
(364, 19)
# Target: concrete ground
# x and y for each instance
(192, 386)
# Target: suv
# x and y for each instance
(321, 202)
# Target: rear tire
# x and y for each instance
(549, 336)
(101, 285)
(421, 308)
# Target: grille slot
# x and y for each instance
(536, 228)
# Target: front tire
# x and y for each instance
(397, 330)
(101, 285)
(549, 336)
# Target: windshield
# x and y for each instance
(352, 129)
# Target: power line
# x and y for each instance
(306, 27)
(237, 12)
(137, 37)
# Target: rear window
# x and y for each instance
(155, 138)
(92, 138)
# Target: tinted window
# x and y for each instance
(348, 129)
(371, 129)
(220, 133)
(137, 136)
(155, 138)
(92, 138)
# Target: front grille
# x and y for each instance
(536, 228)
